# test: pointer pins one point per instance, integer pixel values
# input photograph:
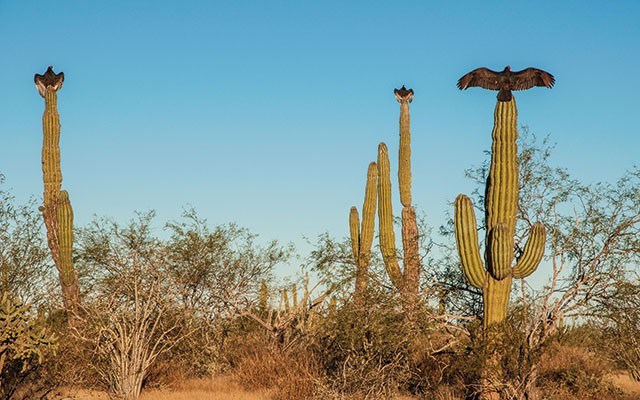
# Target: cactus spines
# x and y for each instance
(500, 212)
(362, 238)
(57, 212)
(404, 97)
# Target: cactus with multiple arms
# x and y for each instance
(407, 281)
(500, 213)
(362, 239)
(57, 212)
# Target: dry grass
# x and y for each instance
(624, 382)
(219, 388)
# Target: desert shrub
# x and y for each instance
(569, 372)
(262, 364)
(25, 344)
(366, 349)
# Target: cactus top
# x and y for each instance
(403, 95)
(50, 80)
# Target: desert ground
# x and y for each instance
(225, 388)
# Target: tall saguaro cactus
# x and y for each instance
(362, 239)
(406, 281)
(501, 204)
(57, 211)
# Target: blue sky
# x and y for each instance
(267, 113)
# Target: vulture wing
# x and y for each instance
(530, 77)
(37, 79)
(482, 77)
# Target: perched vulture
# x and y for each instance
(49, 80)
(506, 81)
(403, 94)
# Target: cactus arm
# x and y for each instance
(385, 215)
(65, 238)
(410, 248)
(404, 165)
(368, 214)
(354, 229)
(362, 239)
(467, 240)
(532, 253)
(500, 252)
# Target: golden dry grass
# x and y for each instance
(224, 388)
(219, 388)
(624, 382)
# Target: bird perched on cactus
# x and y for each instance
(506, 80)
(49, 80)
(403, 94)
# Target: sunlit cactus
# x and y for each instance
(500, 214)
(406, 280)
(57, 212)
(362, 238)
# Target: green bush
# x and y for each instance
(25, 343)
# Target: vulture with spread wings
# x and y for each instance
(506, 80)
(50, 80)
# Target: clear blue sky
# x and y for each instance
(267, 113)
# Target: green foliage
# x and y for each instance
(365, 351)
(24, 269)
(25, 343)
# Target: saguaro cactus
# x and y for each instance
(501, 204)
(406, 281)
(57, 212)
(362, 239)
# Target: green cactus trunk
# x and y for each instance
(407, 279)
(57, 211)
(404, 164)
(500, 209)
(501, 204)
